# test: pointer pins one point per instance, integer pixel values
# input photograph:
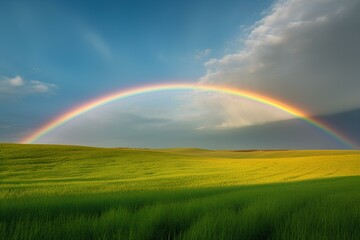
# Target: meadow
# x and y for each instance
(71, 192)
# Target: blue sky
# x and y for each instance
(116, 44)
(87, 49)
(67, 52)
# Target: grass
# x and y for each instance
(68, 192)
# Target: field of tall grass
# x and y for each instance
(70, 192)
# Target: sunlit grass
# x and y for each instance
(68, 192)
(28, 169)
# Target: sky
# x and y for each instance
(56, 55)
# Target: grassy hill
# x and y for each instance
(57, 169)
(71, 192)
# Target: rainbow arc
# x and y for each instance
(98, 102)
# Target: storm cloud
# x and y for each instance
(131, 130)
(306, 53)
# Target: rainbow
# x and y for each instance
(96, 103)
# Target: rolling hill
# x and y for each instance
(73, 192)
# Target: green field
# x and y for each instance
(70, 192)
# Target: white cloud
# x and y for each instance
(18, 85)
(16, 81)
(202, 54)
(209, 110)
(38, 86)
(210, 62)
(306, 53)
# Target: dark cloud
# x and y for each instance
(130, 130)
(11, 131)
(304, 52)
